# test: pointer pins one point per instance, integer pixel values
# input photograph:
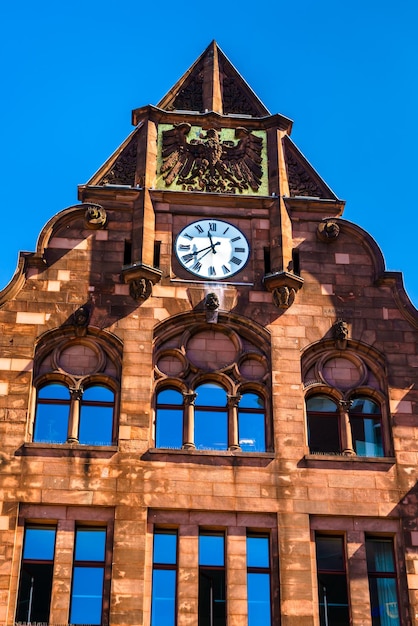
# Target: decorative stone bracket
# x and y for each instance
(140, 278)
(284, 286)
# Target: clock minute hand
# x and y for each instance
(211, 242)
(211, 249)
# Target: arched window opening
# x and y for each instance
(323, 425)
(96, 416)
(251, 423)
(211, 417)
(366, 427)
(52, 414)
(169, 419)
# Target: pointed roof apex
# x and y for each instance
(213, 84)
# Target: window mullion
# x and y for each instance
(74, 420)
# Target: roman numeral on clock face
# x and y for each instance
(211, 271)
(199, 228)
(236, 261)
(226, 269)
(239, 249)
(184, 246)
(187, 258)
(212, 226)
(196, 267)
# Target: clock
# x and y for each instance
(212, 249)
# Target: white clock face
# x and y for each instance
(212, 249)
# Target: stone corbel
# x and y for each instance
(140, 278)
(284, 286)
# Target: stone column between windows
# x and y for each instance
(298, 596)
(188, 420)
(74, 419)
(233, 435)
(358, 588)
(346, 436)
(236, 576)
(188, 575)
(63, 568)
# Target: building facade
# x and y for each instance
(208, 389)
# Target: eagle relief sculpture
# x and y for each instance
(207, 163)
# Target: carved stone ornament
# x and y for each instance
(140, 278)
(328, 231)
(140, 288)
(81, 317)
(95, 217)
(209, 164)
(212, 306)
(284, 286)
(340, 332)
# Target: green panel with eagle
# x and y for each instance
(224, 161)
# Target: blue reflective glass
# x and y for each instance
(39, 544)
(258, 552)
(96, 425)
(258, 589)
(210, 394)
(51, 423)
(364, 405)
(54, 391)
(321, 404)
(169, 396)
(380, 555)
(251, 401)
(251, 432)
(211, 430)
(165, 547)
(90, 544)
(87, 595)
(367, 436)
(211, 550)
(163, 597)
(98, 393)
(169, 428)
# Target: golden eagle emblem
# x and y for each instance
(209, 164)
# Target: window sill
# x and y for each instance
(208, 456)
(339, 460)
(65, 449)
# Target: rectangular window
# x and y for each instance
(88, 576)
(332, 581)
(164, 578)
(35, 586)
(212, 591)
(382, 582)
(258, 580)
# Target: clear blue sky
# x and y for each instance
(345, 72)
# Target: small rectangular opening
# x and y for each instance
(296, 261)
(157, 253)
(267, 261)
(127, 253)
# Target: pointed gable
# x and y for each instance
(303, 179)
(213, 84)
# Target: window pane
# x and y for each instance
(90, 545)
(364, 405)
(251, 401)
(96, 425)
(258, 552)
(210, 394)
(258, 589)
(380, 555)
(329, 553)
(51, 423)
(321, 403)
(332, 581)
(367, 436)
(165, 547)
(212, 602)
(384, 602)
(323, 433)
(87, 595)
(211, 550)
(251, 431)
(169, 428)
(169, 396)
(39, 544)
(98, 393)
(211, 430)
(54, 391)
(163, 597)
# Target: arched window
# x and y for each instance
(169, 419)
(96, 416)
(323, 425)
(366, 427)
(251, 423)
(74, 416)
(211, 417)
(52, 414)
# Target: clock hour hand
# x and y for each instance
(211, 249)
(211, 242)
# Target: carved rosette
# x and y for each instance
(95, 217)
(284, 287)
(328, 231)
(140, 278)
